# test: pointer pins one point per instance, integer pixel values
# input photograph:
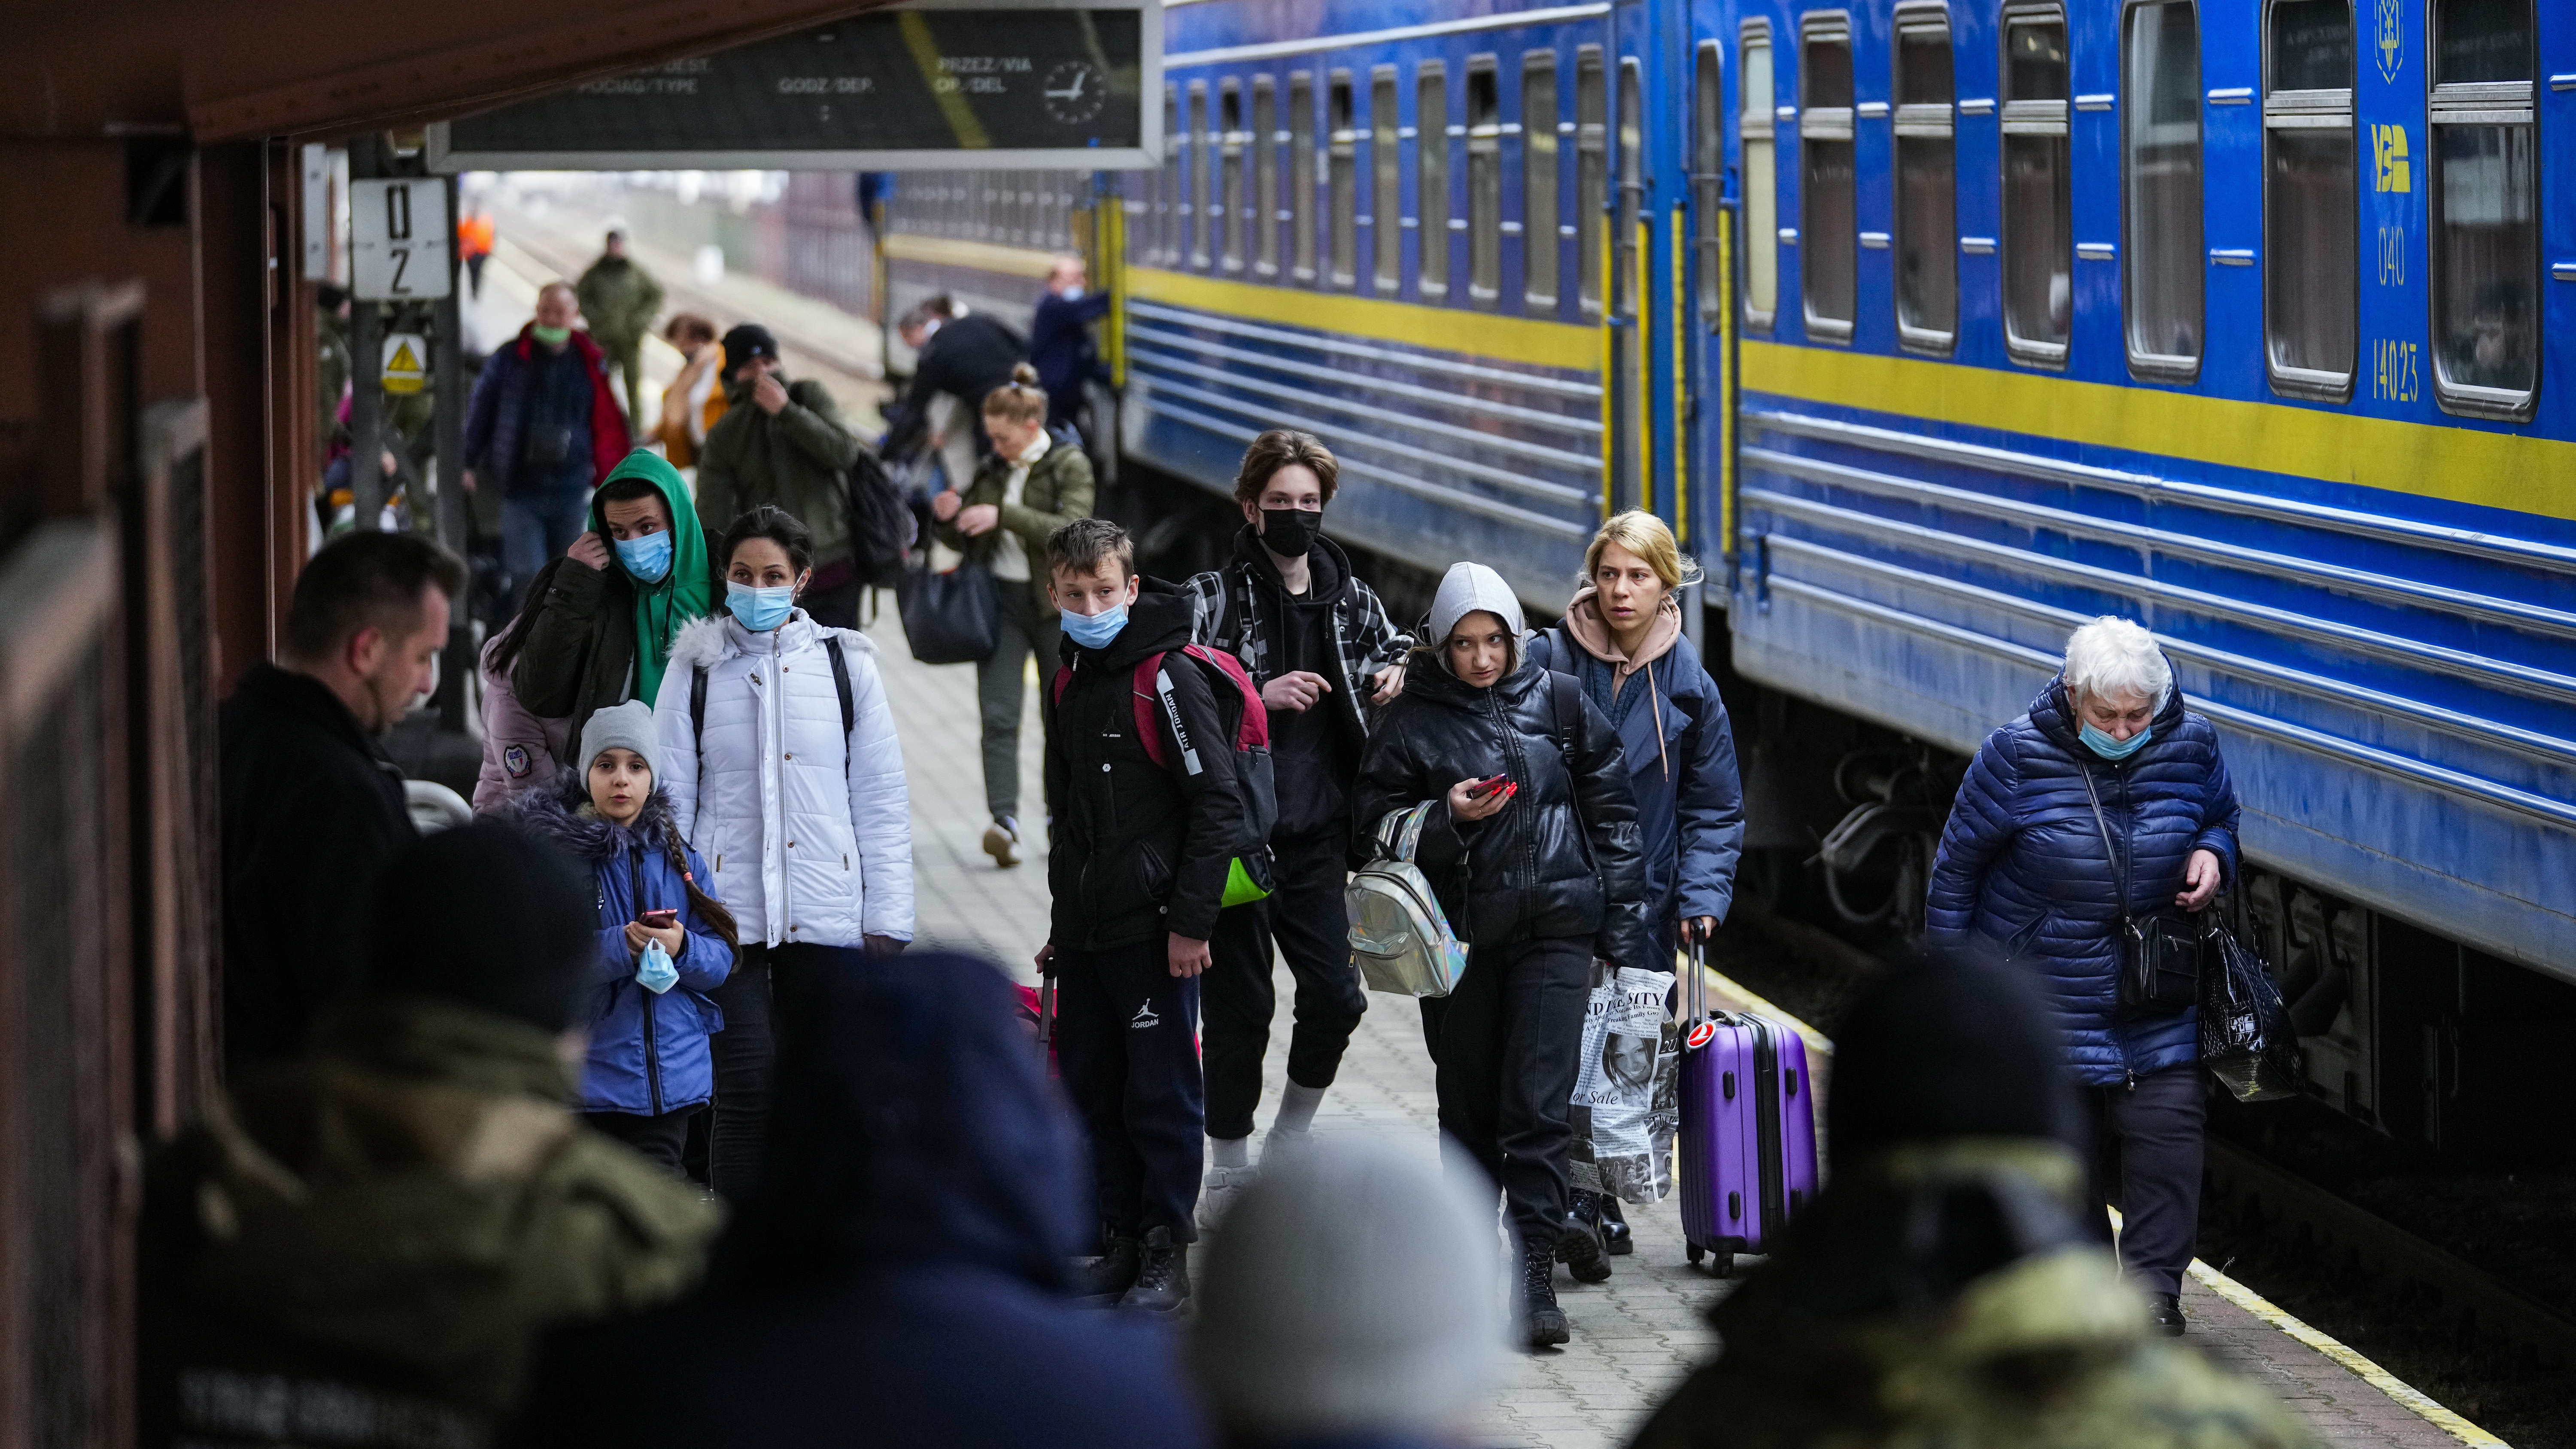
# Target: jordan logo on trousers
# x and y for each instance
(1144, 1018)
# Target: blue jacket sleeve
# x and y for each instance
(1710, 811)
(2219, 816)
(1982, 822)
(613, 963)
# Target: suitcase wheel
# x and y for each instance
(1695, 1252)
(1723, 1266)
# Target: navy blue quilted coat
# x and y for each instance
(2022, 863)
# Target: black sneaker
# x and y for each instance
(1163, 1283)
(1103, 1279)
(1580, 1251)
(1616, 1238)
(2164, 1314)
(1540, 1317)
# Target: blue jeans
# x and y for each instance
(538, 525)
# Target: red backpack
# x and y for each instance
(1240, 712)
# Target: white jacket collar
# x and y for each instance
(705, 643)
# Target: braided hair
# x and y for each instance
(710, 912)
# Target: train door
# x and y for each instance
(1729, 74)
(1651, 369)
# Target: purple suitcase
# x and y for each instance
(1748, 1128)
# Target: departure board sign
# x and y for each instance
(915, 87)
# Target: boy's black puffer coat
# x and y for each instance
(1562, 857)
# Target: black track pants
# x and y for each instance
(1306, 917)
(1127, 1043)
(2147, 1150)
(664, 1138)
(1504, 1045)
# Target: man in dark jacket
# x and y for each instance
(1317, 642)
(311, 805)
(783, 443)
(963, 356)
(373, 1236)
(1060, 345)
(1137, 868)
(543, 427)
(901, 1278)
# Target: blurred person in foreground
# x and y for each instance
(1946, 1289)
(1397, 1346)
(361, 1246)
(783, 443)
(901, 1277)
(2107, 782)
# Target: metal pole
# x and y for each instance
(447, 376)
(366, 381)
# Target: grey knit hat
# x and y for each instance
(627, 726)
(1356, 1288)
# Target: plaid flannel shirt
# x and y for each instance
(1222, 615)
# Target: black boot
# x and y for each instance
(1163, 1282)
(1101, 1280)
(2164, 1314)
(1540, 1317)
(1577, 1247)
(1616, 1238)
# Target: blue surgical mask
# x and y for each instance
(2100, 742)
(1094, 631)
(647, 559)
(655, 970)
(760, 610)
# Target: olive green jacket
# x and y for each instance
(799, 460)
(417, 1194)
(620, 300)
(1058, 491)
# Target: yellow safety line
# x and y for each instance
(1681, 389)
(1409, 324)
(983, 256)
(2217, 1282)
(1645, 351)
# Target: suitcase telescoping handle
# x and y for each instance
(1695, 1000)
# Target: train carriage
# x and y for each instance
(1935, 328)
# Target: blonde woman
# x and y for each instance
(1622, 641)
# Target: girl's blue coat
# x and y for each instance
(2022, 863)
(621, 1074)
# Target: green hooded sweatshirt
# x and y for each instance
(685, 593)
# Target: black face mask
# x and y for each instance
(1290, 532)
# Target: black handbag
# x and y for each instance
(2160, 954)
(950, 618)
(2246, 1038)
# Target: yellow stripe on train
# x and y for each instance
(1477, 334)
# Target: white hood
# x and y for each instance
(1466, 588)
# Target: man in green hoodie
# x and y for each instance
(783, 443)
(603, 631)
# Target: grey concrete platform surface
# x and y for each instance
(1635, 1336)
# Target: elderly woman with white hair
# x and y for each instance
(2106, 804)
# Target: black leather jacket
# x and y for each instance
(1561, 858)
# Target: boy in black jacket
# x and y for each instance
(1137, 868)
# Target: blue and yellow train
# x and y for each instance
(1934, 328)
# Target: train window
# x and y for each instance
(1229, 112)
(1591, 173)
(1630, 282)
(1341, 161)
(1760, 181)
(1828, 232)
(1198, 174)
(1927, 181)
(2485, 194)
(1301, 176)
(1431, 178)
(1266, 141)
(2310, 204)
(1484, 181)
(1386, 208)
(1708, 179)
(1168, 207)
(1538, 180)
(2039, 247)
(2160, 182)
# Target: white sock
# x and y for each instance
(1230, 1152)
(1297, 1109)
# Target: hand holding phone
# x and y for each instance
(669, 916)
(1488, 785)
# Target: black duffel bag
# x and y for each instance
(2246, 1039)
(950, 618)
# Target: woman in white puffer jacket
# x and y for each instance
(785, 774)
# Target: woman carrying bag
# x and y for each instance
(784, 773)
(1027, 488)
(1529, 838)
(2101, 817)
(1622, 641)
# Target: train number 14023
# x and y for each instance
(2393, 372)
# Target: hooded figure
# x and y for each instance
(1945, 1289)
(900, 1278)
(604, 636)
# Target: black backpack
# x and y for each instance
(881, 527)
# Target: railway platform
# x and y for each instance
(1642, 1332)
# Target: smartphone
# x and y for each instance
(662, 918)
(1485, 787)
